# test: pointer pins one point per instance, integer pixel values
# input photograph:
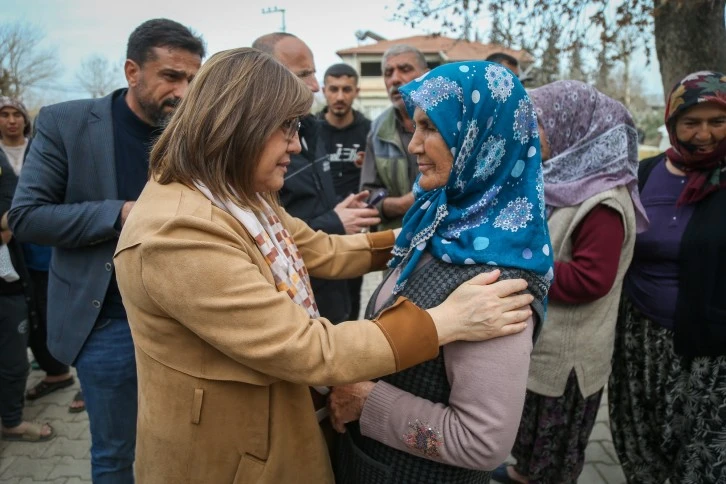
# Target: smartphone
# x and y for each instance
(376, 197)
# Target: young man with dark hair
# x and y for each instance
(87, 165)
(343, 130)
(15, 128)
(506, 60)
(342, 135)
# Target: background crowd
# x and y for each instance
(194, 245)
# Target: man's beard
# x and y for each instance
(340, 112)
(156, 113)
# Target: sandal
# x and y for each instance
(500, 474)
(44, 388)
(78, 397)
(33, 433)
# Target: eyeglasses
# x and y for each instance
(290, 128)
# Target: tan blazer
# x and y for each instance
(224, 360)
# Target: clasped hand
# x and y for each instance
(354, 213)
(483, 308)
(345, 403)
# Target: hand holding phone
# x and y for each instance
(376, 197)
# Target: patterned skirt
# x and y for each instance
(667, 412)
(553, 434)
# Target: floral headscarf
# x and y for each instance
(593, 145)
(706, 172)
(491, 210)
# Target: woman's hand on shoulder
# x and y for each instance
(483, 308)
(345, 403)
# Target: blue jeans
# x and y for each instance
(106, 367)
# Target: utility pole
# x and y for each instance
(276, 10)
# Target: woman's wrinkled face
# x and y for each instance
(543, 143)
(433, 156)
(702, 127)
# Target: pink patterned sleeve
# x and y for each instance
(477, 429)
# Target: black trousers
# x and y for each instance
(14, 365)
(38, 340)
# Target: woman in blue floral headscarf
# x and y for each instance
(479, 206)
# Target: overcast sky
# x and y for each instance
(77, 29)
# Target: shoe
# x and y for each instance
(33, 433)
(78, 397)
(500, 474)
(44, 388)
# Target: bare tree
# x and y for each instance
(690, 36)
(502, 31)
(98, 76)
(550, 58)
(23, 63)
(604, 68)
(673, 26)
(577, 68)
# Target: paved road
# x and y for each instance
(66, 459)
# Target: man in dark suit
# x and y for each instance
(308, 192)
(86, 166)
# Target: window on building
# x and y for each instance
(370, 69)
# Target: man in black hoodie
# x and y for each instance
(342, 136)
(344, 130)
(308, 191)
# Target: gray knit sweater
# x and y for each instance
(449, 419)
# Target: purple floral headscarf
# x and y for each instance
(593, 145)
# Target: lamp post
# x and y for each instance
(276, 10)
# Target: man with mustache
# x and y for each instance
(87, 165)
(387, 163)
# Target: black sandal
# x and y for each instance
(78, 397)
(44, 388)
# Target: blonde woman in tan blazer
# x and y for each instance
(214, 276)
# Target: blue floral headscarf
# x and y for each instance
(491, 210)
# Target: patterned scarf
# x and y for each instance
(593, 145)
(706, 171)
(491, 210)
(277, 247)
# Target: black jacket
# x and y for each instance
(8, 183)
(308, 194)
(700, 318)
(341, 145)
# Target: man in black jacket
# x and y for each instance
(14, 324)
(308, 192)
(342, 136)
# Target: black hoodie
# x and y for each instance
(341, 145)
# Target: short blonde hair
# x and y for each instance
(217, 133)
